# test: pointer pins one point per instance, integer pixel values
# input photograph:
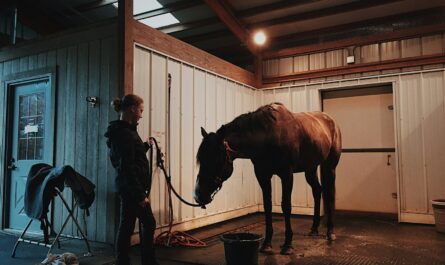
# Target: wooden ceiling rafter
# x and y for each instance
(356, 41)
(223, 10)
(301, 36)
(93, 5)
(316, 14)
(258, 10)
(189, 25)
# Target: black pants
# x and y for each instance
(129, 210)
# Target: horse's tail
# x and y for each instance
(328, 176)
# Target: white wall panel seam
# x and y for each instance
(180, 140)
(422, 125)
(193, 129)
(396, 114)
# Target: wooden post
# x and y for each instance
(126, 45)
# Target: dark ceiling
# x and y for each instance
(223, 27)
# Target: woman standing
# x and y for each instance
(133, 181)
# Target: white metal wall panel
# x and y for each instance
(369, 53)
(220, 201)
(432, 44)
(390, 50)
(317, 61)
(413, 190)
(335, 58)
(211, 122)
(411, 47)
(237, 189)
(157, 120)
(271, 67)
(187, 183)
(174, 150)
(434, 131)
(313, 97)
(282, 95)
(268, 97)
(301, 63)
(286, 66)
(199, 120)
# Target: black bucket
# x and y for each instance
(241, 248)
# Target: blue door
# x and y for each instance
(32, 133)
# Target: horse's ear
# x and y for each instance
(203, 132)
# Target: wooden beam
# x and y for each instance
(359, 68)
(280, 5)
(94, 5)
(228, 18)
(320, 13)
(205, 36)
(357, 41)
(126, 45)
(168, 8)
(189, 25)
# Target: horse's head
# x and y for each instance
(215, 167)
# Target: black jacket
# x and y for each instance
(128, 155)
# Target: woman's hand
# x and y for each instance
(145, 202)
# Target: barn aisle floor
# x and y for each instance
(360, 240)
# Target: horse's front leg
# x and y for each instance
(265, 184)
(287, 181)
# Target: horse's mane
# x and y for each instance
(260, 119)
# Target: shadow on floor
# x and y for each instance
(360, 240)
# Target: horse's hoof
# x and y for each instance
(287, 250)
(313, 233)
(266, 249)
(331, 237)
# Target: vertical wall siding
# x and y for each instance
(376, 52)
(84, 68)
(198, 99)
(420, 125)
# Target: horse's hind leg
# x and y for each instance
(266, 187)
(286, 206)
(328, 187)
(312, 180)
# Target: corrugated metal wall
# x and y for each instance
(86, 66)
(427, 45)
(198, 98)
(420, 126)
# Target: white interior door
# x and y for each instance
(366, 174)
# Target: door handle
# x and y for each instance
(388, 163)
(11, 165)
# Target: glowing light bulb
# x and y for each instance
(259, 38)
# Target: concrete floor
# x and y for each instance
(360, 240)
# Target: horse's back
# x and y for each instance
(312, 137)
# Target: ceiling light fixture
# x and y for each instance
(259, 38)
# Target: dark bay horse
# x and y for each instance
(279, 142)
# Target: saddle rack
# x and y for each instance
(46, 239)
